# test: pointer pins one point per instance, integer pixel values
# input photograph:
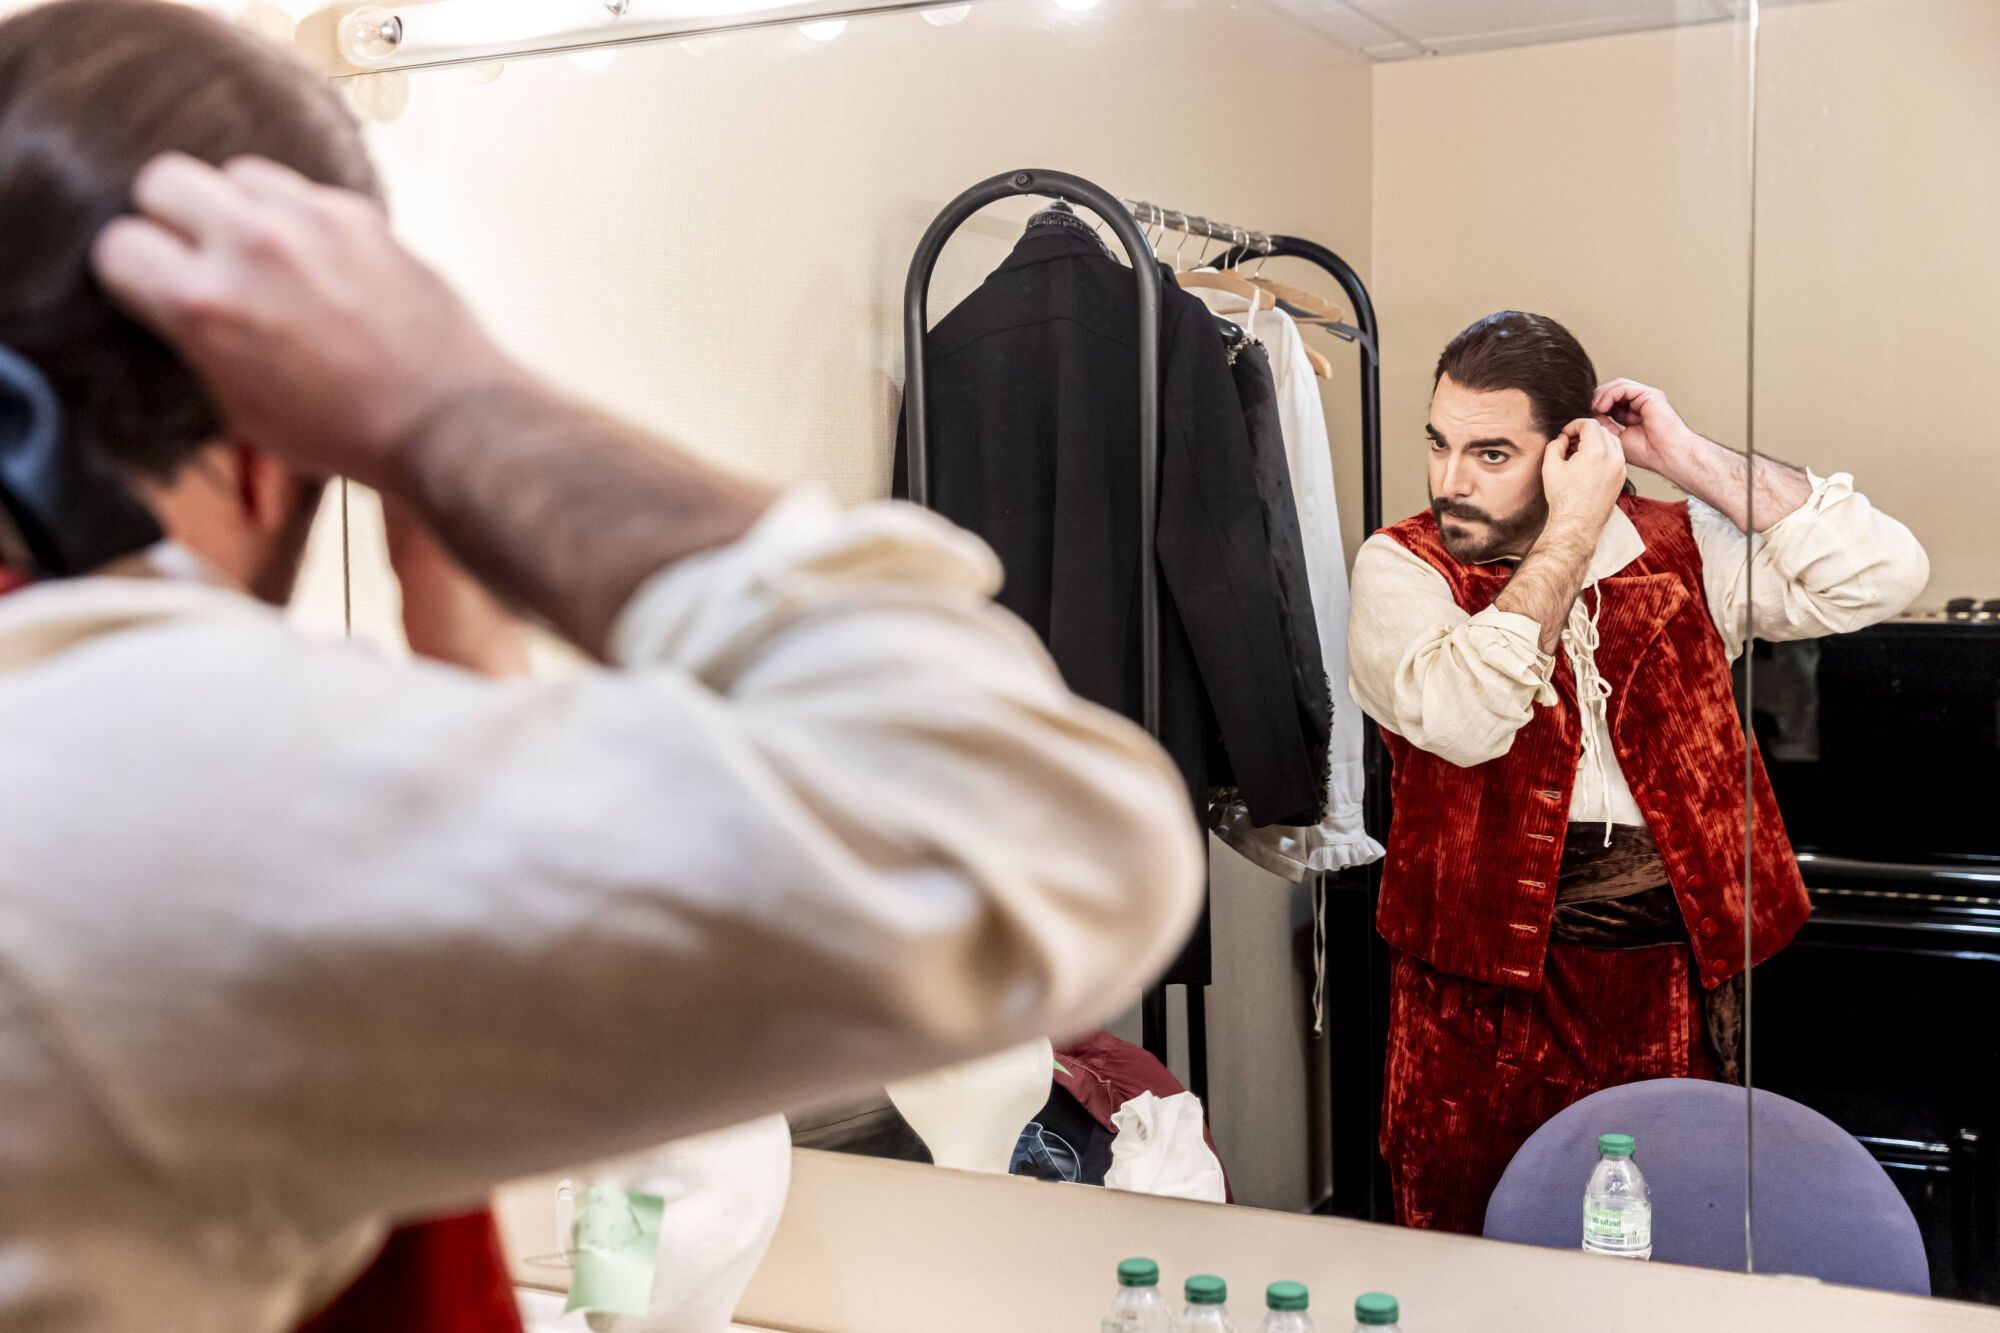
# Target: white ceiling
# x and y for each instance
(1407, 29)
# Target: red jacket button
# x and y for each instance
(1708, 927)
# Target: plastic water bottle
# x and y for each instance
(1139, 1307)
(1285, 1308)
(1207, 1306)
(1375, 1312)
(1617, 1211)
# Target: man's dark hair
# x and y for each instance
(1532, 353)
(90, 91)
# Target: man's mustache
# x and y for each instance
(1445, 510)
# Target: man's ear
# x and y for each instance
(265, 486)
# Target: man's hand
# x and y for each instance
(1649, 430)
(1655, 438)
(448, 616)
(1583, 474)
(325, 343)
(321, 339)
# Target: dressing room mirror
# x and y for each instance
(1875, 283)
(712, 236)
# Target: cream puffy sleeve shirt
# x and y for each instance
(1460, 686)
(294, 939)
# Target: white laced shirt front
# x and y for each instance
(1460, 686)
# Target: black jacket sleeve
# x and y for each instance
(1215, 550)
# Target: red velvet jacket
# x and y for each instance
(445, 1276)
(1469, 885)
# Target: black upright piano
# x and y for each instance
(1884, 1014)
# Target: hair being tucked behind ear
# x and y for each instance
(90, 91)
(1532, 353)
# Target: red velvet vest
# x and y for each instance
(1469, 885)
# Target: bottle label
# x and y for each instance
(1617, 1229)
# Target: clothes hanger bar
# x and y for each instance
(1174, 219)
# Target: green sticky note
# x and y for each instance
(617, 1247)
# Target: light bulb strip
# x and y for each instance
(445, 33)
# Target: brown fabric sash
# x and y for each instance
(1618, 897)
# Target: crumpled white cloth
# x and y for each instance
(724, 1193)
(1159, 1149)
(970, 1115)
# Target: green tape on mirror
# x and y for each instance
(617, 1248)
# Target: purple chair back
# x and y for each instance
(1825, 1208)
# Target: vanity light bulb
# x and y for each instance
(370, 35)
(948, 16)
(1076, 6)
(825, 31)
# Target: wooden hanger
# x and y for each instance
(1235, 284)
(1312, 308)
(1228, 280)
(1309, 307)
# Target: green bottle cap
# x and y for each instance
(1138, 1273)
(1376, 1308)
(1615, 1145)
(1285, 1296)
(1206, 1290)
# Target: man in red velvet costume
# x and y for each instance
(1548, 655)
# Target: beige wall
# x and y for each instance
(1602, 182)
(715, 246)
(1878, 276)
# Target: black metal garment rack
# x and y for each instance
(1146, 275)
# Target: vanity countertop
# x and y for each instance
(542, 1312)
(868, 1246)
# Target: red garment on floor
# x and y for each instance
(1474, 1069)
(1104, 1072)
(446, 1276)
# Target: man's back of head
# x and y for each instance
(90, 91)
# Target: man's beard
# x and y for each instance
(274, 579)
(1489, 538)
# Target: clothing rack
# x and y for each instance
(1124, 217)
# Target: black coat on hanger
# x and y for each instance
(1034, 447)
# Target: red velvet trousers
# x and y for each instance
(1474, 1069)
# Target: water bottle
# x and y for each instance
(1375, 1312)
(1139, 1307)
(1285, 1308)
(1207, 1306)
(1617, 1211)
